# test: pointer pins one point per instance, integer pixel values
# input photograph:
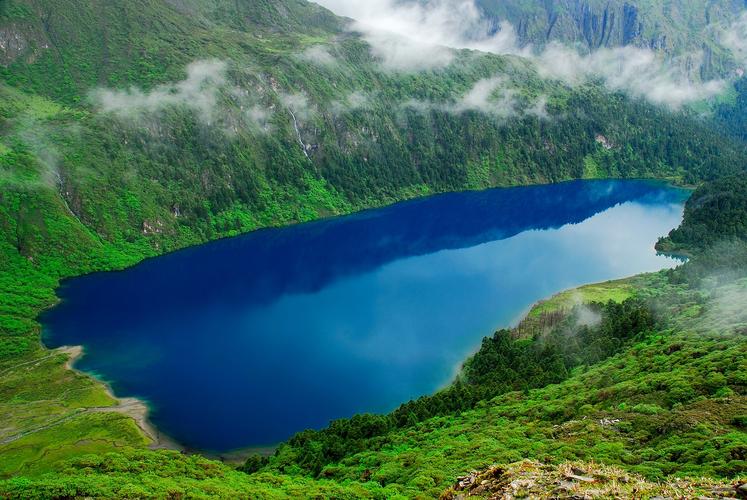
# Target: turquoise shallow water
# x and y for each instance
(245, 341)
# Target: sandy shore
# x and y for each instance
(132, 407)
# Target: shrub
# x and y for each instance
(647, 409)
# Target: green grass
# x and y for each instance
(616, 291)
(72, 434)
(51, 413)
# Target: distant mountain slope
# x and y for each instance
(283, 105)
(678, 28)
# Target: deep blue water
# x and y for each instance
(245, 341)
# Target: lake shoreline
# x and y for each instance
(139, 410)
(135, 408)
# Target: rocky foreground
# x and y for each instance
(530, 479)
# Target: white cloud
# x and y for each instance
(319, 55)
(259, 117)
(298, 104)
(639, 72)
(734, 38)
(492, 96)
(417, 36)
(354, 100)
(199, 91)
(206, 91)
(35, 134)
(400, 53)
(539, 108)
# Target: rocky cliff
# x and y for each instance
(685, 29)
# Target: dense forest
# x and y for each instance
(716, 212)
(731, 117)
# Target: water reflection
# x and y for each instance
(245, 341)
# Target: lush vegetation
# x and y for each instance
(169, 474)
(286, 138)
(731, 116)
(716, 212)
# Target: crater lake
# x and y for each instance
(246, 341)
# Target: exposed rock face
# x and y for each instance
(679, 28)
(530, 479)
(12, 44)
(612, 23)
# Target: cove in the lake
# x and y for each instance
(245, 341)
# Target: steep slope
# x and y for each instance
(276, 123)
(678, 28)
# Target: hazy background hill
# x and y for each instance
(672, 25)
(700, 40)
(685, 28)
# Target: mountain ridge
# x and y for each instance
(675, 28)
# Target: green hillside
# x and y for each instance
(663, 395)
(130, 128)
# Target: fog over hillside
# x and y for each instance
(416, 36)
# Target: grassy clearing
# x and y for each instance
(48, 415)
(616, 291)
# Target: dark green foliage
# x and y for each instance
(253, 464)
(725, 261)
(732, 117)
(716, 212)
(713, 232)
